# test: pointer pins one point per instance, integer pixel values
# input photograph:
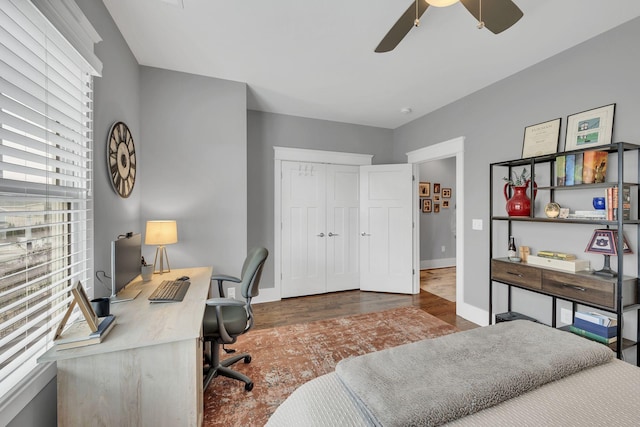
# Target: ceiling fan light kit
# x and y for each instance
(494, 15)
(441, 3)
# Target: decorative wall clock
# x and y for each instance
(121, 159)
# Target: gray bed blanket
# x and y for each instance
(434, 381)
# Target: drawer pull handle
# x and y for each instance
(577, 288)
(514, 274)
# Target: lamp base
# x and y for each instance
(606, 273)
(162, 252)
(606, 268)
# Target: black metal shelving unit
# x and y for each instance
(621, 149)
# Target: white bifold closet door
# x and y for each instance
(320, 215)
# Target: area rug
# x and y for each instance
(285, 357)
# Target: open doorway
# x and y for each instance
(449, 149)
(437, 220)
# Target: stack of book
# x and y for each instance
(595, 326)
(79, 333)
(611, 201)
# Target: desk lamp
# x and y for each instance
(605, 242)
(161, 233)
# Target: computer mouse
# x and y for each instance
(183, 278)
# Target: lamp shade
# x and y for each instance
(604, 242)
(161, 233)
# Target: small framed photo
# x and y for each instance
(446, 193)
(541, 139)
(436, 198)
(590, 128)
(426, 205)
(436, 207)
(436, 188)
(445, 204)
(423, 189)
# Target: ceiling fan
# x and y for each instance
(495, 15)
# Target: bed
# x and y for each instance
(511, 373)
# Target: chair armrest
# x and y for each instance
(225, 278)
(218, 303)
(225, 302)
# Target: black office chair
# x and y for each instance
(226, 318)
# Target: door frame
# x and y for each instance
(297, 155)
(450, 148)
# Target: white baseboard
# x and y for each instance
(472, 313)
(437, 263)
(267, 295)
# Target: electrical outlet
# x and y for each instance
(443, 248)
(566, 316)
(231, 293)
(476, 224)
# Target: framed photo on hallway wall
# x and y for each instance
(424, 189)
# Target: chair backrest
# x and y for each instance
(251, 274)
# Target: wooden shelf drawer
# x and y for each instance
(516, 273)
(588, 288)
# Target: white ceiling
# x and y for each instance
(315, 58)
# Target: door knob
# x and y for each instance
(331, 234)
(363, 234)
(321, 235)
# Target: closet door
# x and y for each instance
(343, 206)
(304, 234)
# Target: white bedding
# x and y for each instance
(606, 395)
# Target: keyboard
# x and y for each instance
(170, 291)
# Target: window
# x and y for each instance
(45, 184)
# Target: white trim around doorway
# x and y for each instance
(453, 148)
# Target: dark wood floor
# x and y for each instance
(337, 304)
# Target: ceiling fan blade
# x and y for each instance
(402, 27)
(497, 15)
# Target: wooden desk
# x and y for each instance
(148, 370)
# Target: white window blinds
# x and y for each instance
(45, 184)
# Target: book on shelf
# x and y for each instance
(595, 317)
(594, 167)
(603, 331)
(577, 171)
(570, 166)
(592, 336)
(560, 171)
(612, 194)
(79, 333)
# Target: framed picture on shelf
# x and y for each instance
(590, 128)
(423, 189)
(445, 204)
(541, 139)
(446, 193)
(436, 188)
(436, 207)
(426, 205)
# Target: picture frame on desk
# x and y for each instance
(542, 138)
(591, 128)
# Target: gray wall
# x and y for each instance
(194, 166)
(265, 131)
(439, 229)
(116, 97)
(598, 72)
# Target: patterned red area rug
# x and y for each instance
(285, 357)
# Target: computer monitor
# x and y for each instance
(126, 254)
